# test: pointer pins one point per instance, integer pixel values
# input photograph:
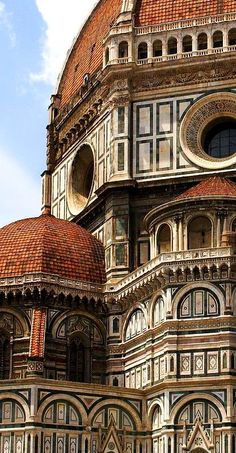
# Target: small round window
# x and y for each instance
(219, 138)
(80, 179)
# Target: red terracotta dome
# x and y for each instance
(86, 55)
(215, 186)
(52, 246)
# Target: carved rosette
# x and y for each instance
(202, 113)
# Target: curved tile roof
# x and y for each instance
(87, 54)
(214, 186)
(153, 12)
(50, 246)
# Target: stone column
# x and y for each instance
(218, 229)
(194, 44)
(181, 234)
(175, 235)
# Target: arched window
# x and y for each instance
(232, 361)
(107, 55)
(218, 39)
(202, 41)
(169, 445)
(164, 239)
(136, 325)
(123, 49)
(5, 356)
(115, 325)
(233, 444)
(225, 360)
(234, 225)
(172, 46)
(226, 444)
(157, 48)
(199, 233)
(172, 364)
(157, 418)
(198, 303)
(115, 382)
(79, 361)
(232, 37)
(187, 44)
(159, 311)
(204, 411)
(142, 51)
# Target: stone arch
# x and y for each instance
(7, 396)
(153, 302)
(154, 404)
(142, 51)
(172, 45)
(202, 41)
(217, 39)
(196, 396)
(164, 237)
(185, 289)
(123, 49)
(157, 47)
(19, 316)
(232, 37)
(56, 323)
(187, 43)
(67, 398)
(119, 404)
(199, 231)
(128, 318)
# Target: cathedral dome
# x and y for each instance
(51, 246)
(86, 54)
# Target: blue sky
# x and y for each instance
(34, 38)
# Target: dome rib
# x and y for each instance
(86, 55)
(51, 246)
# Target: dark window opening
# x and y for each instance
(157, 48)
(232, 37)
(202, 41)
(123, 49)
(187, 44)
(218, 39)
(79, 361)
(142, 51)
(172, 46)
(220, 139)
(5, 356)
(115, 325)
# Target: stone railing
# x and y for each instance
(172, 259)
(186, 55)
(188, 23)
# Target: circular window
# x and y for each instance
(208, 131)
(219, 138)
(80, 180)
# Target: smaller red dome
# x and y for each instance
(52, 246)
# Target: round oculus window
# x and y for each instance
(80, 181)
(219, 138)
(208, 131)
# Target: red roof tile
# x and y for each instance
(151, 12)
(38, 330)
(87, 53)
(52, 246)
(215, 186)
